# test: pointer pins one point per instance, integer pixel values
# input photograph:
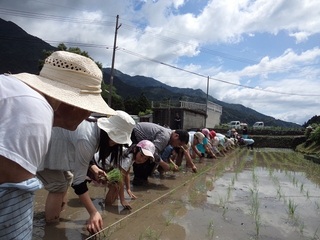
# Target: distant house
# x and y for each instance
(193, 115)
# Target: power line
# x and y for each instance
(168, 39)
(215, 79)
(42, 16)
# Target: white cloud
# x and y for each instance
(265, 44)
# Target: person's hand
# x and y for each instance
(94, 223)
(131, 194)
(98, 174)
(175, 168)
(126, 205)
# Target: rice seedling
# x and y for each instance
(279, 193)
(233, 181)
(301, 188)
(292, 206)
(254, 202)
(257, 225)
(113, 176)
(225, 209)
(170, 216)
(301, 228)
(210, 230)
(149, 234)
(317, 204)
(255, 179)
(229, 192)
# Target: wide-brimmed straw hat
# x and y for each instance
(72, 79)
(119, 127)
(147, 147)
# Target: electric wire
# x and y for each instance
(168, 39)
(215, 79)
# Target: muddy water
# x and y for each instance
(260, 194)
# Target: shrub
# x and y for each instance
(315, 135)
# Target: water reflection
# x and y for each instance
(246, 195)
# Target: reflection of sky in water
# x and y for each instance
(276, 188)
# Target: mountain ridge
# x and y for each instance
(22, 52)
(148, 86)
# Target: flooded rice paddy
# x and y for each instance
(260, 194)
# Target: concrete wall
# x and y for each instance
(193, 120)
(214, 112)
(193, 115)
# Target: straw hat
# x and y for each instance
(72, 79)
(119, 127)
(147, 147)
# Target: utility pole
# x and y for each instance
(205, 121)
(113, 58)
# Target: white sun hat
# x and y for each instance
(119, 127)
(72, 79)
(147, 148)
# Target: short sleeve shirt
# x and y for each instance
(26, 121)
(73, 150)
(160, 136)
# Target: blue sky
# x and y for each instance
(263, 54)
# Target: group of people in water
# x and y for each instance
(100, 145)
(55, 142)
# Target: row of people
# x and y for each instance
(45, 132)
(101, 145)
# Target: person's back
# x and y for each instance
(25, 127)
(160, 137)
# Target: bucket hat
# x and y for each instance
(200, 136)
(119, 127)
(147, 148)
(72, 79)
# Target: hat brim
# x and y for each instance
(147, 153)
(67, 94)
(120, 138)
(117, 135)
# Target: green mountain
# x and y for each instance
(154, 90)
(22, 52)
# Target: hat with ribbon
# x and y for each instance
(70, 78)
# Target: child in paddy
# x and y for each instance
(135, 154)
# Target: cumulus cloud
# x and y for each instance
(270, 45)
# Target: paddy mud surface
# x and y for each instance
(262, 194)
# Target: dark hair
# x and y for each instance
(105, 150)
(131, 149)
(183, 135)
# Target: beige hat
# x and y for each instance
(72, 79)
(200, 136)
(119, 127)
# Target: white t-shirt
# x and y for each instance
(26, 120)
(73, 150)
